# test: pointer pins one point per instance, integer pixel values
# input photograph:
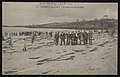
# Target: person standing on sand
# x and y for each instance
(46, 33)
(10, 42)
(75, 38)
(90, 34)
(83, 35)
(6, 34)
(72, 38)
(62, 37)
(79, 34)
(56, 38)
(86, 38)
(68, 38)
(33, 38)
(25, 46)
(50, 34)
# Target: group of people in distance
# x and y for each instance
(28, 33)
(73, 38)
(33, 34)
(84, 37)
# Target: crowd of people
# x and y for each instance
(73, 38)
(27, 33)
(32, 34)
(60, 38)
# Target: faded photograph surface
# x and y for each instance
(59, 38)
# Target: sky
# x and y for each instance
(25, 13)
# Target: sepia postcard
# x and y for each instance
(59, 38)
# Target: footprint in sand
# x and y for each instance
(35, 58)
(78, 50)
(94, 49)
(55, 72)
(10, 72)
(46, 72)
